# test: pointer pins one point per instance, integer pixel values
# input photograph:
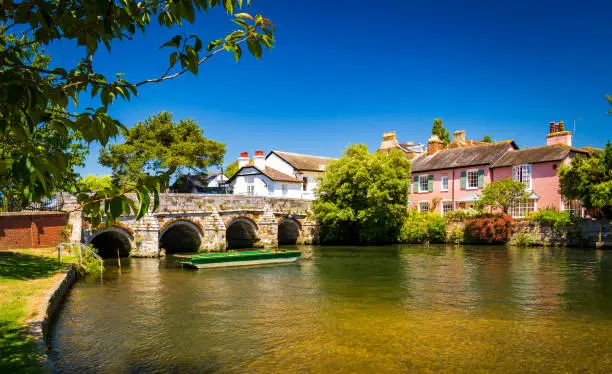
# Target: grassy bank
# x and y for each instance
(25, 276)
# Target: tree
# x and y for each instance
(503, 194)
(231, 169)
(487, 139)
(95, 183)
(33, 96)
(363, 197)
(158, 146)
(589, 179)
(441, 131)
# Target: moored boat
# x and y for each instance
(246, 258)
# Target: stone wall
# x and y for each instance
(39, 325)
(210, 216)
(32, 229)
(587, 234)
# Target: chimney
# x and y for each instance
(459, 136)
(259, 160)
(558, 135)
(434, 145)
(243, 160)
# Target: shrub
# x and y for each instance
(523, 239)
(421, 227)
(455, 235)
(460, 215)
(488, 228)
(552, 216)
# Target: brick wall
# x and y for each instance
(31, 229)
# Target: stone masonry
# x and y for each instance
(210, 216)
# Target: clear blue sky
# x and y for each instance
(345, 71)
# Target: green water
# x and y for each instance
(347, 310)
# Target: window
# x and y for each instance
(573, 206)
(250, 189)
(522, 210)
(424, 206)
(522, 173)
(472, 179)
(284, 188)
(444, 183)
(447, 206)
(304, 183)
(423, 183)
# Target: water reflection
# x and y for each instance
(347, 309)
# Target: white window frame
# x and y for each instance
(522, 211)
(421, 178)
(467, 179)
(423, 202)
(444, 178)
(520, 171)
(449, 202)
(251, 189)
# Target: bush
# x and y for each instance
(460, 215)
(552, 216)
(455, 235)
(488, 228)
(422, 227)
(523, 239)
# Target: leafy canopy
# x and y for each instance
(34, 95)
(159, 146)
(487, 139)
(94, 182)
(441, 131)
(503, 194)
(589, 179)
(363, 197)
(231, 169)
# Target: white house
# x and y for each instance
(282, 174)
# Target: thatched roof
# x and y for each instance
(461, 157)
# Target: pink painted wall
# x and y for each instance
(454, 184)
(545, 182)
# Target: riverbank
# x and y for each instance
(26, 276)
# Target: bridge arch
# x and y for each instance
(241, 232)
(180, 236)
(288, 231)
(108, 240)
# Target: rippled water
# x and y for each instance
(347, 309)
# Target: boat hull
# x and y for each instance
(234, 259)
(242, 263)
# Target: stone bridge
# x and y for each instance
(199, 222)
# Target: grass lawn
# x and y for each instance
(25, 276)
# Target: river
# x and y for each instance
(348, 310)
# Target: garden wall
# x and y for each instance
(588, 233)
(31, 229)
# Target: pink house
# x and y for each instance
(445, 179)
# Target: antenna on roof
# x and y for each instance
(576, 119)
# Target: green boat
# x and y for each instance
(247, 258)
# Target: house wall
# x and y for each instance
(313, 183)
(454, 193)
(264, 186)
(217, 181)
(279, 164)
(545, 182)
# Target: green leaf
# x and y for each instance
(116, 207)
(175, 42)
(237, 53)
(254, 47)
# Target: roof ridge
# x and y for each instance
(301, 154)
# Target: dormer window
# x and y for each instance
(522, 173)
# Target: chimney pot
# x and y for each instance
(561, 126)
(551, 127)
(259, 160)
(434, 145)
(243, 160)
(459, 136)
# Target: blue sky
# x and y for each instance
(343, 72)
